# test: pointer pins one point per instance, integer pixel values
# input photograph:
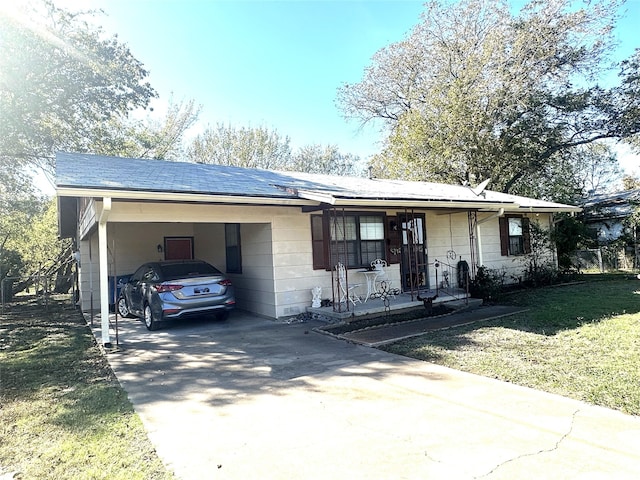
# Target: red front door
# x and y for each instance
(178, 248)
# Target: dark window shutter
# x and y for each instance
(503, 222)
(317, 242)
(232, 247)
(526, 235)
(393, 240)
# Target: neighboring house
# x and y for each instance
(605, 214)
(280, 234)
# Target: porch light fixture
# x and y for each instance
(159, 248)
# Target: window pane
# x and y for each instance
(371, 228)
(515, 227)
(338, 253)
(412, 230)
(343, 229)
(372, 250)
(516, 246)
(187, 269)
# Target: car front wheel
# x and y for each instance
(149, 319)
(123, 308)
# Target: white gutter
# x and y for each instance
(316, 196)
(104, 270)
(473, 205)
(179, 197)
(460, 204)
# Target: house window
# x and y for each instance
(516, 242)
(354, 239)
(232, 247)
(514, 235)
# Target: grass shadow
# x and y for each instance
(57, 391)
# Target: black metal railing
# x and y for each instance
(451, 280)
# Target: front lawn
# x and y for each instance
(63, 414)
(580, 341)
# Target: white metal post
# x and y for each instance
(104, 271)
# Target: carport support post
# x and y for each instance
(104, 270)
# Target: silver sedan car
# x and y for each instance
(168, 290)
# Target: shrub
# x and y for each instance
(488, 284)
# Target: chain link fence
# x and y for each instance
(38, 287)
(607, 259)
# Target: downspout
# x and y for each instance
(499, 213)
(104, 270)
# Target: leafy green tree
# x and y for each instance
(242, 147)
(327, 160)
(41, 248)
(569, 234)
(61, 81)
(147, 137)
(19, 205)
(259, 147)
(29, 244)
(66, 86)
(476, 92)
(630, 182)
(586, 170)
(624, 106)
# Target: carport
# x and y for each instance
(117, 227)
(129, 234)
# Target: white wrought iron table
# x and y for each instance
(370, 276)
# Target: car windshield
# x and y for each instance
(185, 270)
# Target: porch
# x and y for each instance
(458, 300)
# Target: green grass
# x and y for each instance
(63, 414)
(581, 341)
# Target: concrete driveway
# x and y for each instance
(250, 398)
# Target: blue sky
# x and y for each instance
(276, 64)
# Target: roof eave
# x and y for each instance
(179, 197)
(306, 199)
(558, 209)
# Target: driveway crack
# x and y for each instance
(532, 454)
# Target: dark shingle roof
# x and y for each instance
(133, 174)
(84, 171)
(611, 205)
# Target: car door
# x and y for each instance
(136, 294)
(149, 278)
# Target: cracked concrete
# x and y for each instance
(533, 454)
(250, 398)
